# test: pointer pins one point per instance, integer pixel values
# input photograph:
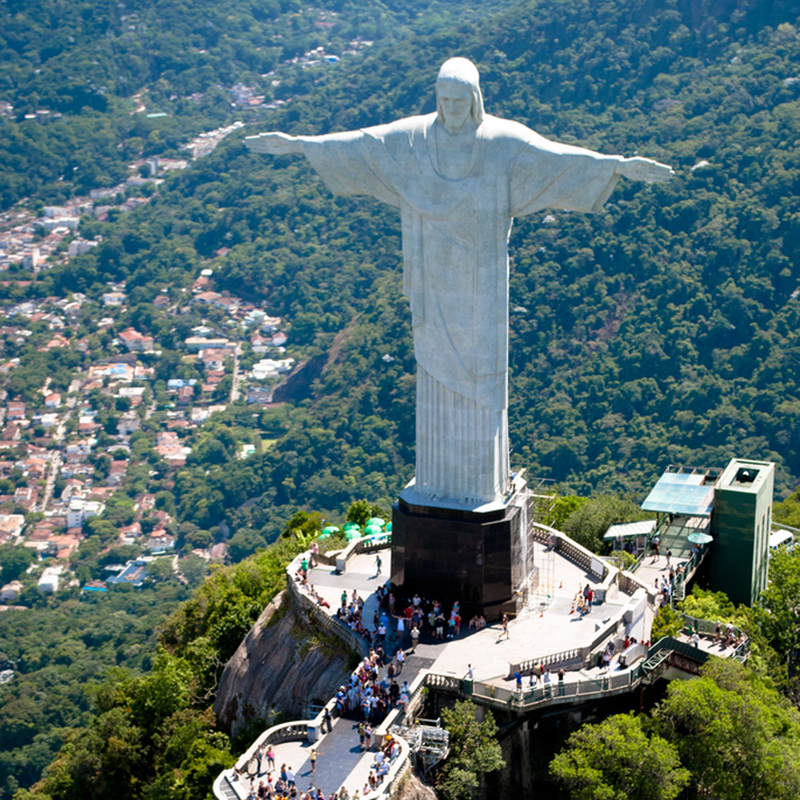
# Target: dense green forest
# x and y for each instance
(95, 63)
(125, 680)
(58, 651)
(662, 330)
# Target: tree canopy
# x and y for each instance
(616, 759)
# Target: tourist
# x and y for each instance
(505, 631)
(414, 639)
(313, 759)
(404, 697)
(260, 758)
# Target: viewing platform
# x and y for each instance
(548, 632)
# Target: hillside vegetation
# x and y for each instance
(661, 330)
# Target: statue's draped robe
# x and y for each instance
(455, 249)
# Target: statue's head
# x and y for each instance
(460, 73)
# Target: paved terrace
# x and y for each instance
(535, 637)
(554, 633)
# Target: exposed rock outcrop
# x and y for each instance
(282, 664)
(412, 788)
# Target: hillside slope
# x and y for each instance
(662, 330)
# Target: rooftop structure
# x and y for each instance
(134, 573)
(683, 490)
(731, 509)
(741, 526)
(48, 583)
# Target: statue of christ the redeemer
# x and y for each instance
(459, 176)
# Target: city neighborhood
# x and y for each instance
(108, 402)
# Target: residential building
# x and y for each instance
(48, 583)
(81, 510)
(135, 341)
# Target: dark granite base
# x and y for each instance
(453, 554)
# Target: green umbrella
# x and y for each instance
(353, 533)
(325, 536)
(700, 538)
(330, 530)
(351, 526)
(376, 521)
(372, 530)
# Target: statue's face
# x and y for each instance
(455, 100)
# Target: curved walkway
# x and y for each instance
(445, 664)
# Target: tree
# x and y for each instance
(243, 543)
(738, 737)
(194, 568)
(103, 761)
(303, 525)
(474, 751)
(564, 506)
(788, 512)
(779, 606)
(163, 692)
(361, 511)
(617, 760)
(590, 520)
(14, 560)
(666, 623)
(160, 569)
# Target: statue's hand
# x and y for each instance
(273, 144)
(644, 169)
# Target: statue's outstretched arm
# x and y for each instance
(274, 143)
(644, 169)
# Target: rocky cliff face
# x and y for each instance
(412, 788)
(282, 664)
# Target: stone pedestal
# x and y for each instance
(473, 555)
